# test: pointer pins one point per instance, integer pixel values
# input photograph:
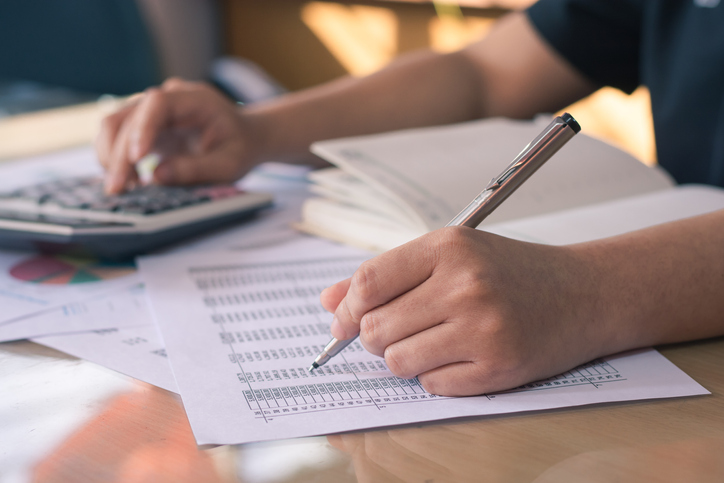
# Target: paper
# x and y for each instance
(49, 167)
(251, 323)
(615, 217)
(134, 351)
(288, 184)
(30, 282)
(124, 308)
(434, 172)
(45, 294)
(138, 351)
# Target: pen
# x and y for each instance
(537, 152)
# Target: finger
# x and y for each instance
(466, 378)
(456, 379)
(214, 167)
(382, 279)
(419, 309)
(333, 295)
(149, 118)
(166, 107)
(426, 351)
(119, 163)
(120, 170)
(177, 84)
(110, 126)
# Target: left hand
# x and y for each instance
(202, 137)
(469, 312)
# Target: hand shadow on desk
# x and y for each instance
(440, 453)
(698, 460)
(556, 447)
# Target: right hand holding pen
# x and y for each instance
(469, 312)
(199, 134)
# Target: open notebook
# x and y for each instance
(390, 188)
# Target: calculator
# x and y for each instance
(75, 216)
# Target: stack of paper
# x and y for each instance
(99, 311)
(40, 293)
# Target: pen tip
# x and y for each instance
(313, 366)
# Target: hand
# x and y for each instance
(469, 312)
(199, 134)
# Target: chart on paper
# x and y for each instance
(271, 359)
(242, 328)
(380, 392)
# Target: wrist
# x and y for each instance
(607, 300)
(255, 135)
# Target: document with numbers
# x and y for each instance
(122, 308)
(135, 351)
(241, 328)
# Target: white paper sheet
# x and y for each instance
(288, 184)
(134, 351)
(49, 167)
(614, 217)
(24, 280)
(35, 307)
(124, 308)
(241, 329)
(26, 288)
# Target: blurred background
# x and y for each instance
(64, 64)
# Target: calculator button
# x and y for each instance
(33, 194)
(104, 205)
(135, 210)
(88, 194)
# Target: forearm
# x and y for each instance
(511, 73)
(660, 285)
(419, 89)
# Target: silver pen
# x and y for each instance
(537, 152)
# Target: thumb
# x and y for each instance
(333, 295)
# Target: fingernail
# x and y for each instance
(336, 329)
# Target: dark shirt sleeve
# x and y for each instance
(600, 38)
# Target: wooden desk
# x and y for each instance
(66, 420)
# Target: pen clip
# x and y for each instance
(547, 143)
(502, 177)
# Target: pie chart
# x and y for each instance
(65, 270)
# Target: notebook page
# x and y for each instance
(615, 217)
(435, 172)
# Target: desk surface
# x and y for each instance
(68, 420)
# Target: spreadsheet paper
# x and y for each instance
(241, 328)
